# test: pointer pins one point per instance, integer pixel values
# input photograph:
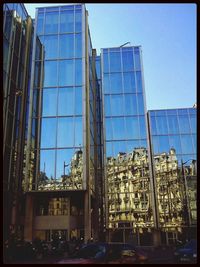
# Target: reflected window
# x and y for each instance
(139, 81)
(67, 21)
(49, 102)
(140, 100)
(78, 72)
(142, 127)
(51, 22)
(107, 105)
(194, 139)
(161, 122)
(78, 125)
(118, 128)
(48, 133)
(50, 73)
(78, 45)
(78, 100)
(64, 156)
(106, 82)
(132, 128)
(175, 142)
(119, 147)
(130, 104)
(47, 164)
(66, 101)
(105, 63)
(129, 82)
(153, 125)
(115, 62)
(127, 59)
(109, 152)
(66, 77)
(116, 83)
(187, 145)
(173, 124)
(164, 144)
(155, 144)
(131, 145)
(193, 123)
(184, 124)
(40, 23)
(137, 58)
(65, 136)
(117, 105)
(66, 47)
(51, 46)
(78, 20)
(108, 127)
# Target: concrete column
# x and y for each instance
(28, 226)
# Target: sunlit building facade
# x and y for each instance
(173, 141)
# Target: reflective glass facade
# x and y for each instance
(125, 137)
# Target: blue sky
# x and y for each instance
(167, 34)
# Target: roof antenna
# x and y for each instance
(125, 44)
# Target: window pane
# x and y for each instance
(78, 72)
(47, 163)
(117, 105)
(132, 145)
(162, 125)
(48, 133)
(49, 102)
(139, 81)
(66, 101)
(184, 124)
(64, 156)
(50, 73)
(65, 136)
(132, 128)
(119, 147)
(187, 146)
(142, 127)
(108, 126)
(105, 62)
(116, 83)
(109, 152)
(130, 104)
(129, 82)
(78, 20)
(175, 142)
(78, 101)
(66, 46)
(193, 123)
(127, 59)
(106, 83)
(137, 59)
(78, 45)
(155, 144)
(107, 105)
(66, 77)
(115, 62)
(153, 125)
(118, 128)
(67, 21)
(164, 144)
(140, 104)
(194, 139)
(51, 22)
(173, 124)
(78, 131)
(51, 46)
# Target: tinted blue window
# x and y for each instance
(66, 47)
(140, 100)
(105, 63)
(137, 59)
(184, 124)
(119, 147)
(49, 102)
(107, 105)
(109, 135)
(139, 81)
(143, 143)
(118, 128)
(51, 46)
(155, 144)
(132, 128)
(130, 104)
(171, 112)
(127, 59)
(66, 101)
(78, 19)
(50, 73)
(48, 133)
(67, 21)
(78, 45)
(47, 163)
(193, 123)
(164, 144)
(153, 125)
(182, 111)
(66, 77)
(78, 100)
(109, 152)
(175, 142)
(115, 62)
(129, 82)
(78, 72)
(40, 23)
(132, 145)
(192, 111)
(162, 125)
(142, 127)
(187, 145)
(194, 139)
(116, 83)
(64, 156)
(51, 22)
(117, 105)
(78, 129)
(65, 136)
(173, 124)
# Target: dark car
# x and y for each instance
(107, 253)
(187, 253)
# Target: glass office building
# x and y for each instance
(173, 141)
(127, 174)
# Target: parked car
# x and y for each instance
(187, 253)
(95, 253)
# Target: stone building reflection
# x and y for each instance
(72, 178)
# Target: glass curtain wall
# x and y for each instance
(127, 169)
(173, 137)
(60, 113)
